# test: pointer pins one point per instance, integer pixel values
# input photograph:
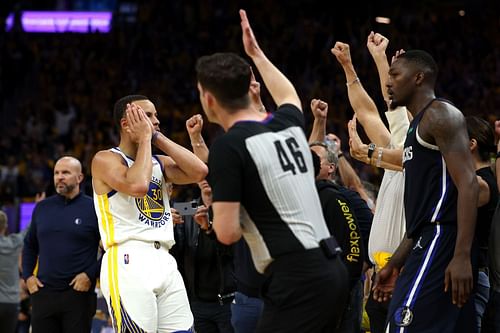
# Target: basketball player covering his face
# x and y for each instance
(139, 278)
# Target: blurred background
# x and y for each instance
(62, 72)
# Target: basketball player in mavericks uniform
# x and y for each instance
(139, 278)
(433, 292)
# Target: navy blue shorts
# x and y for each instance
(419, 303)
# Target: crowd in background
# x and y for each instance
(58, 89)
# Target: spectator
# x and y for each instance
(10, 250)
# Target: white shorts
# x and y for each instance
(144, 290)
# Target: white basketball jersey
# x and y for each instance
(123, 217)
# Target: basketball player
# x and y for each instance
(139, 278)
(262, 169)
(441, 192)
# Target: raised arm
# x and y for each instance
(377, 44)
(194, 125)
(181, 165)
(280, 88)
(319, 110)
(362, 104)
(108, 169)
(446, 126)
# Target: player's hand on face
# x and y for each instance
(139, 127)
(176, 217)
(341, 52)
(194, 125)
(319, 108)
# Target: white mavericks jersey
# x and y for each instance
(123, 217)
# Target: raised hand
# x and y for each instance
(376, 44)
(342, 53)
(250, 44)
(206, 193)
(398, 53)
(194, 125)
(319, 108)
(39, 196)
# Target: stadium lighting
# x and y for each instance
(59, 22)
(382, 20)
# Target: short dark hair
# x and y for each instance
(423, 61)
(227, 76)
(121, 106)
(480, 130)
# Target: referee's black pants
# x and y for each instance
(305, 292)
(67, 311)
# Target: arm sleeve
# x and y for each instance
(94, 270)
(30, 250)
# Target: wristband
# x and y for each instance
(356, 80)
(379, 157)
(339, 155)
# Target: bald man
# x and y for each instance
(64, 238)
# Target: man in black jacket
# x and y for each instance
(64, 239)
(342, 223)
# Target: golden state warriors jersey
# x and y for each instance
(123, 217)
